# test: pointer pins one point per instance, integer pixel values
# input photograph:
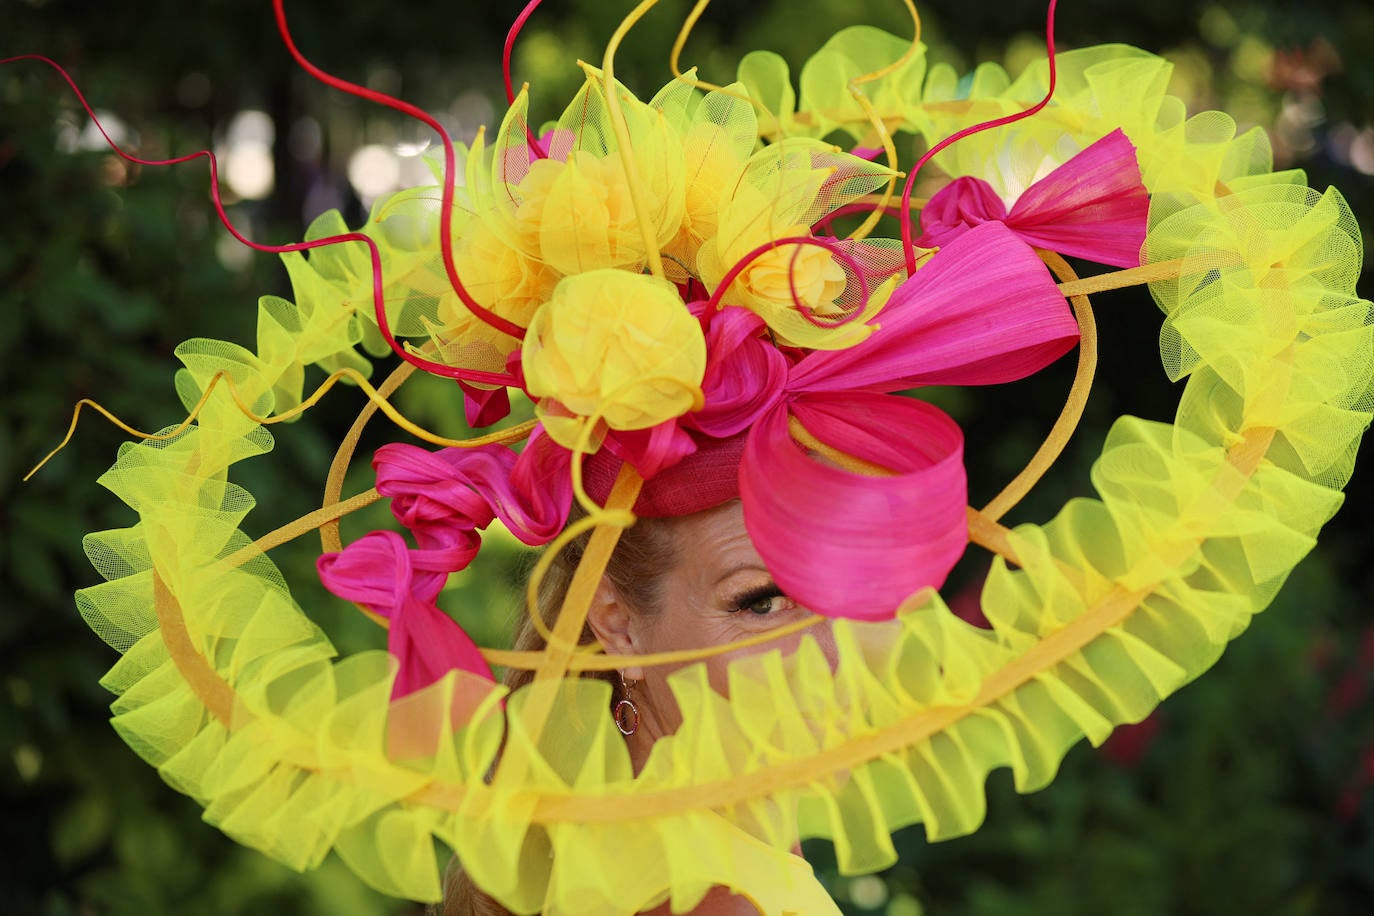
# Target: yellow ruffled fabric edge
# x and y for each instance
(1117, 602)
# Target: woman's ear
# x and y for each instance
(609, 619)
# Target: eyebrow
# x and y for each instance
(743, 567)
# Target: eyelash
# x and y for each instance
(745, 600)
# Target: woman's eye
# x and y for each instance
(768, 604)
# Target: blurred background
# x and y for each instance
(1251, 791)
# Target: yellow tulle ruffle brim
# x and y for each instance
(228, 688)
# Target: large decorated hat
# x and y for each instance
(720, 291)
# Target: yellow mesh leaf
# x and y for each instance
(767, 79)
(851, 53)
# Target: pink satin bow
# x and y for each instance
(443, 498)
(380, 573)
(1094, 206)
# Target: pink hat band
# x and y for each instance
(703, 480)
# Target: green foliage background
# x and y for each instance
(1250, 792)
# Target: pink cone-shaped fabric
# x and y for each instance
(983, 310)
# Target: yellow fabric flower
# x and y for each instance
(505, 280)
(718, 133)
(783, 190)
(574, 210)
(617, 345)
(766, 286)
(711, 164)
(578, 214)
(771, 279)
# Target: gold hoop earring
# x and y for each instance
(625, 712)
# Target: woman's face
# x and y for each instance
(716, 592)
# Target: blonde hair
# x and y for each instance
(635, 569)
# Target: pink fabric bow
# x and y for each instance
(380, 573)
(983, 310)
(1094, 206)
(443, 498)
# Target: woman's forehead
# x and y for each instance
(712, 546)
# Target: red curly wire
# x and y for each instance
(904, 214)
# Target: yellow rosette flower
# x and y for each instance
(717, 133)
(505, 280)
(613, 345)
(572, 208)
(579, 214)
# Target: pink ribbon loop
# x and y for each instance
(444, 496)
(846, 544)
